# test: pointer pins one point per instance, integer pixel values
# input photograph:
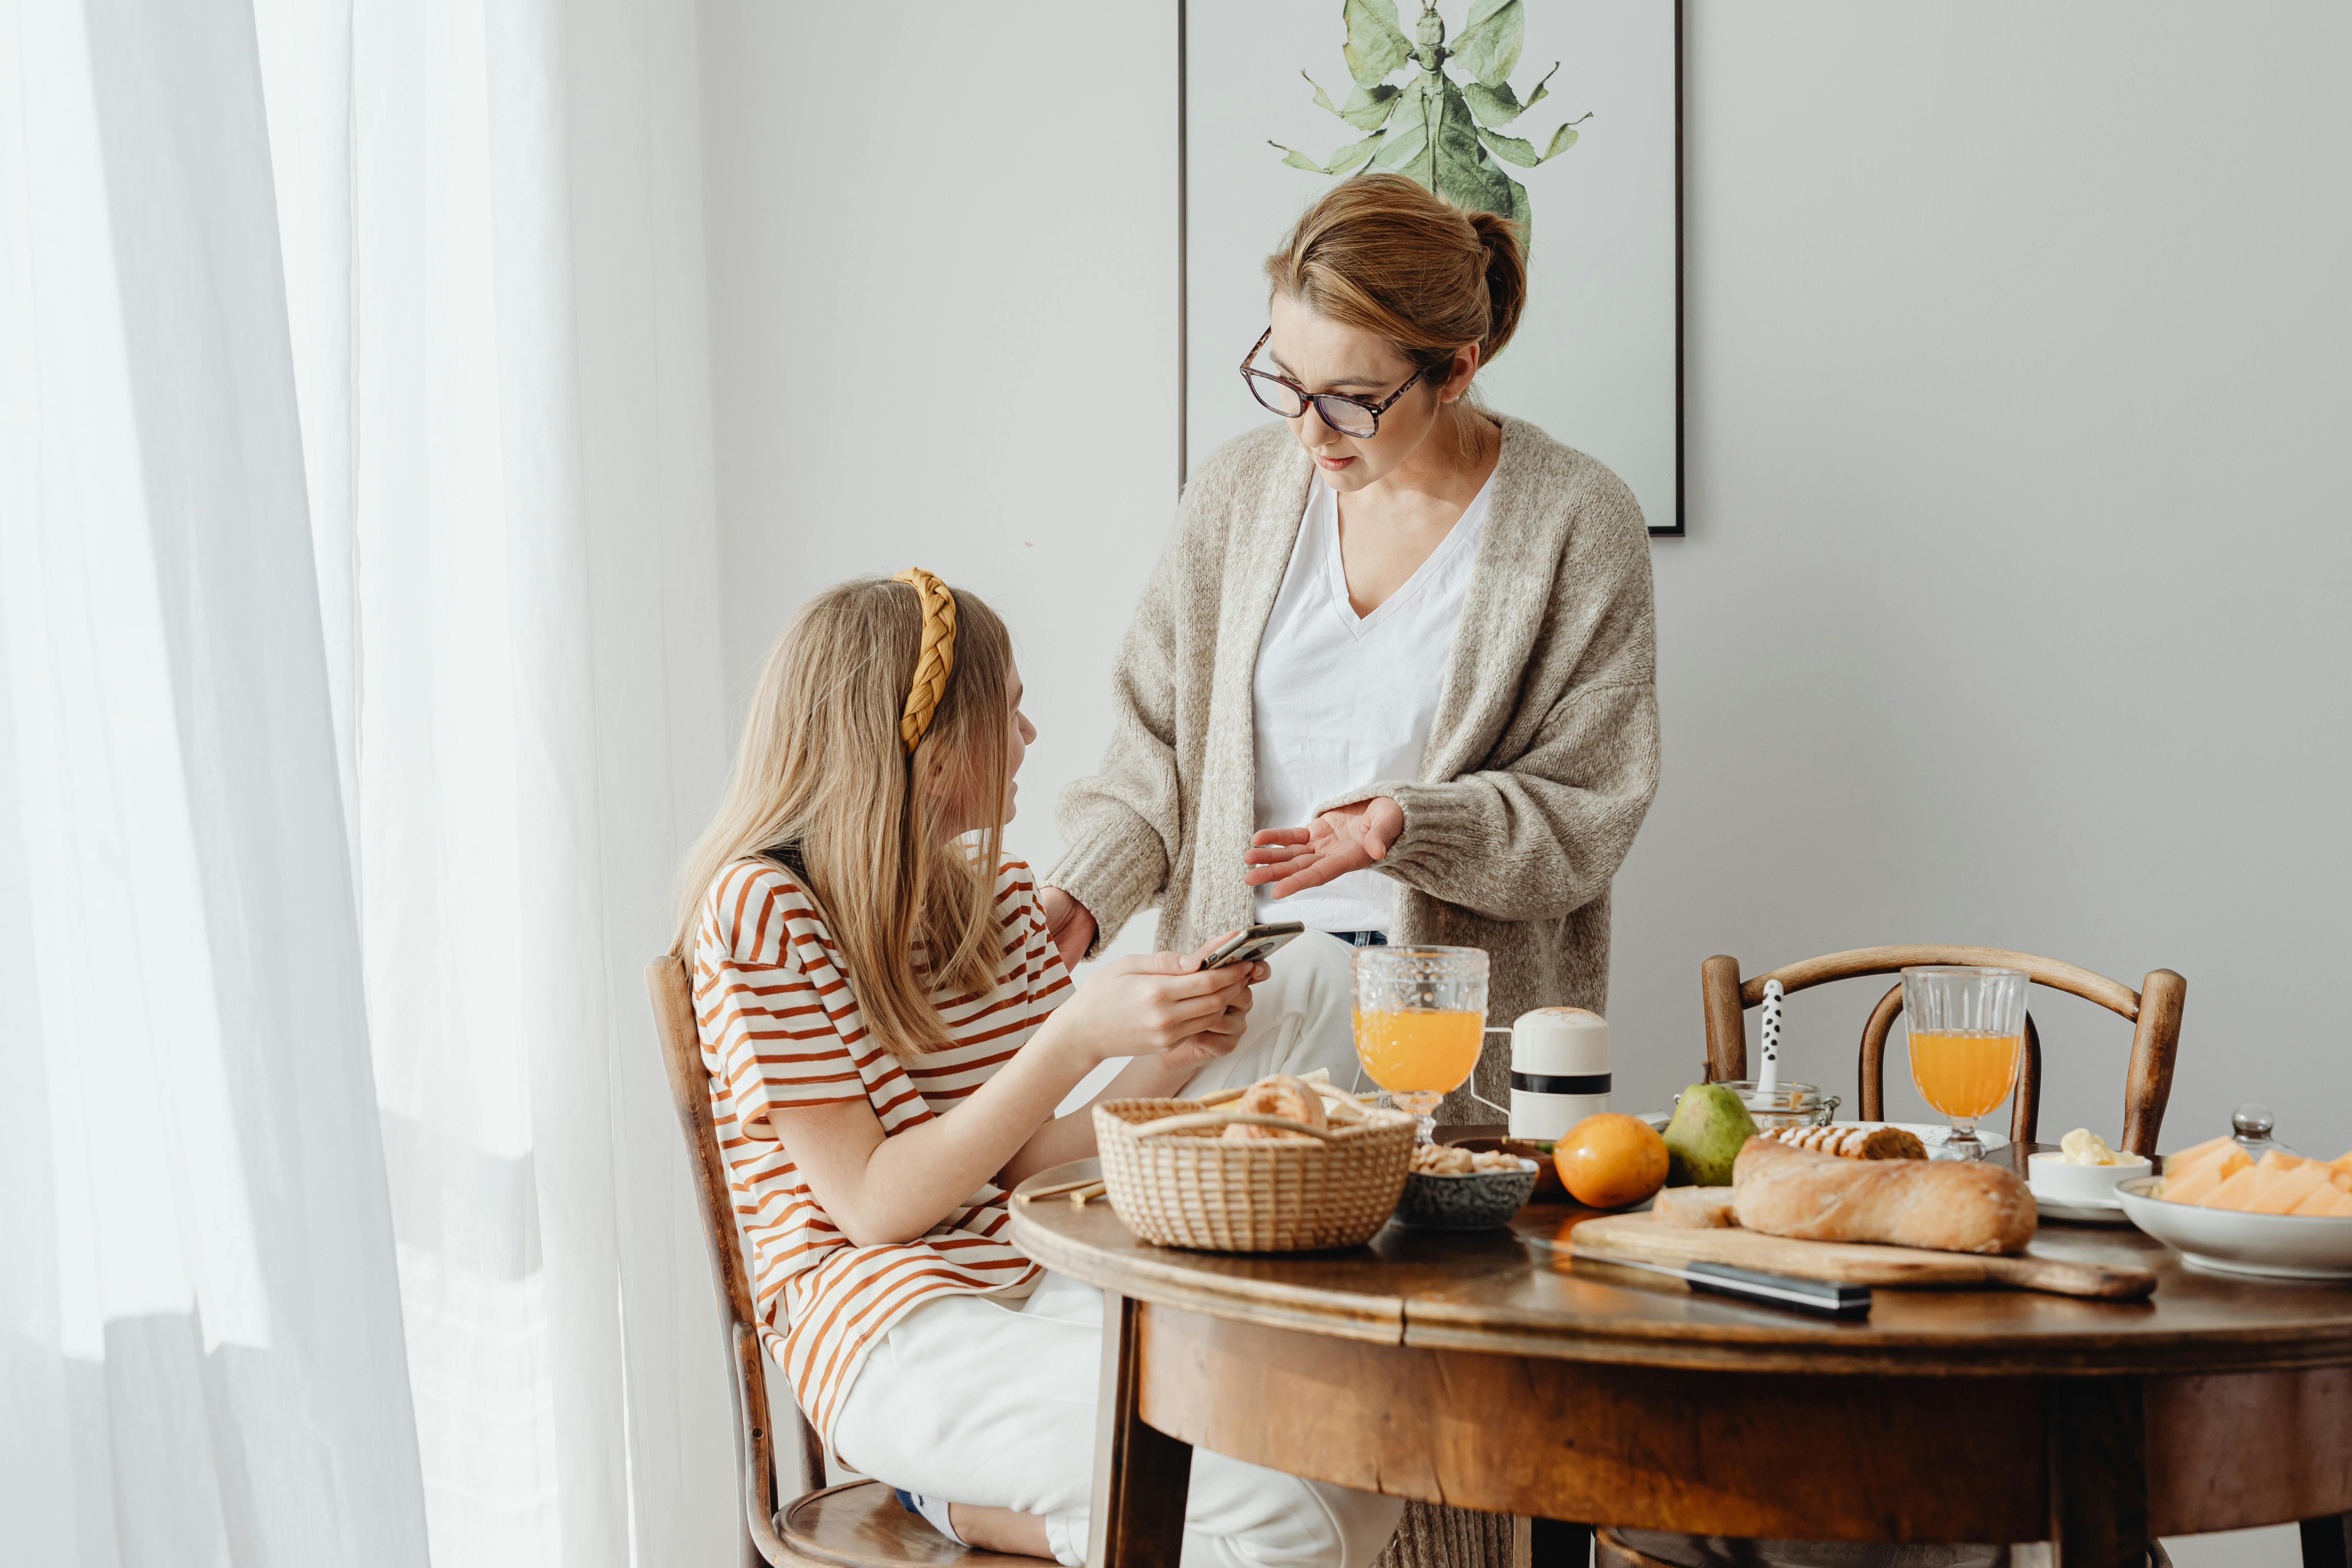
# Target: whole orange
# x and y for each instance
(1611, 1160)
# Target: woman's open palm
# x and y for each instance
(1346, 839)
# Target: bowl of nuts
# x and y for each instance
(1548, 1189)
(1449, 1188)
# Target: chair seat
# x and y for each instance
(862, 1524)
(1666, 1549)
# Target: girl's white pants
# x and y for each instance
(976, 1400)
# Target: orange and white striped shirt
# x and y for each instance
(780, 1027)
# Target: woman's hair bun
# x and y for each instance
(1380, 253)
(1507, 279)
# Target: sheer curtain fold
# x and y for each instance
(215, 1340)
(360, 560)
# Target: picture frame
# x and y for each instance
(1598, 359)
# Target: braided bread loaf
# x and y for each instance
(1852, 1143)
(1280, 1095)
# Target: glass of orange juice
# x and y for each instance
(1421, 1015)
(1967, 1024)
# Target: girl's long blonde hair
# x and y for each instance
(824, 786)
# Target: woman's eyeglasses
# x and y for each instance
(1348, 416)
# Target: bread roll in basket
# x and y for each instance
(1177, 1179)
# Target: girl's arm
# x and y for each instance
(1154, 1076)
(881, 1189)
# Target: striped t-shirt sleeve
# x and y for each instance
(780, 1037)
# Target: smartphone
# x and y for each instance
(1253, 945)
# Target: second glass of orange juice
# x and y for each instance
(1967, 1025)
(1421, 1015)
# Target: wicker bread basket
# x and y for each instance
(1187, 1186)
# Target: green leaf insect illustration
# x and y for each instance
(1442, 135)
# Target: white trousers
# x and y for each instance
(975, 1400)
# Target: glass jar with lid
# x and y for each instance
(1785, 1104)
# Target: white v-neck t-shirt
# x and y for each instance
(1344, 701)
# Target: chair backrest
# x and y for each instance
(672, 991)
(2154, 1012)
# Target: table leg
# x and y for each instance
(1555, 1543)
(1137, 1519)
(2097, 1442)
(2327, 1542)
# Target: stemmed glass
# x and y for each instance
(1420, 1017)
(1966, 1025)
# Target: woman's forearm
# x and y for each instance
(1124, 824)
(882, 1188)
(903, 1184)
(1544, 835)
(1072, 1137)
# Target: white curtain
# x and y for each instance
(360, 683)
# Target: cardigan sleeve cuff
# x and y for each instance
(1440, 825)
(1112, 873)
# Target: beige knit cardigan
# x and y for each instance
(1541, 760)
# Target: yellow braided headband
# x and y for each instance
(937, 661)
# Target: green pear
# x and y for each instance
(1709, 1126)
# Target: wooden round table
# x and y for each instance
(1482, 1370)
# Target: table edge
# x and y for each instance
(1401, 1321)
(1169, 1284)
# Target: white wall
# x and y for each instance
(943, 296)
(2011, 610)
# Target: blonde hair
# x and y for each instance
(824, 786)
(1379, 253)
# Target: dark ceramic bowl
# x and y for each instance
(1547, 1187)
(1479, 1200)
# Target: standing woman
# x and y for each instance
(1394, 674)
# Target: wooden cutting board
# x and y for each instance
(1857, 1263)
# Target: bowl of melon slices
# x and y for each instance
(2279, 1215)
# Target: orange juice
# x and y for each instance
(1964, 1073)
(1426, 1052)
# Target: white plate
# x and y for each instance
(2275, 1246)
(2084, 1195)
(2081, 1212)
(1933, 1136)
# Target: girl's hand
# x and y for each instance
(1069, 923)
(1347, 838)
(1160, 1005)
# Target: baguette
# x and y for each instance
(1945, 1206)
(1852, 1143)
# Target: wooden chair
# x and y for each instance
(2154, 1012)
(859, 1525)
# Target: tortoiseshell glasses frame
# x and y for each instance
(1279, 396)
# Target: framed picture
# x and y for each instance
(1279, 99)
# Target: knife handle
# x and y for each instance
(1823, 1298)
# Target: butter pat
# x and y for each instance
(2085, 1147)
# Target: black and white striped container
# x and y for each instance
(1559, 1070)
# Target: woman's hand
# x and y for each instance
(1161, 1005)
(1347, 838)
(1069, 923)
(1178, 1017)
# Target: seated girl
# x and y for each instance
(888, 1029)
